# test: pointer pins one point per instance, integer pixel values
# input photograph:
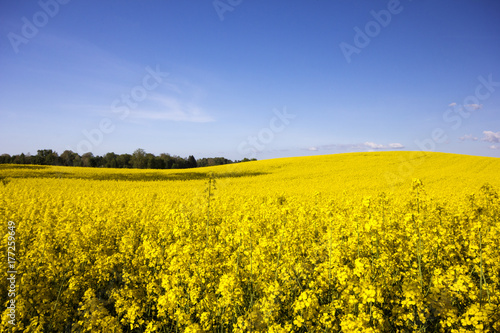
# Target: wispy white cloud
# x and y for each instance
(468, 137)
(168, 108)
(154, 107)
(492, 137)
(471, 107)
(112, 77)
(373, 145)
(356, 146)
(474, 106)
(494, 147)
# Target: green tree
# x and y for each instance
(167, 160)
(88, 160)
(191, 162)
(46, 157)
(5, 158)
(139, 159)
(68, 158)
(77, 161)
(20, 159)
(110, 160)
(123, 161)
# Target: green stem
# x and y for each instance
(357, 231)
(481, 267)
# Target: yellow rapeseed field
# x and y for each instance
(362, 242)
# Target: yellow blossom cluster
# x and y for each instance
(326, 244)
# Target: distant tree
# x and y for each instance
(150, 161)
(179, 163)
(248, 160)
(191, 162)
(221, 161)
(175, 162)
(68, 157)
(109, 160)
(154, 162)
(5, 158)
(77, 161)
(139, 159)
(37, 159)
(28, 158)
(19, 159)
(88, 160)
(202, 162)
(159, 163)
(46, 157)
(167, 160)
(98, 161)
(123, 161)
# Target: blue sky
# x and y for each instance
(256, 78)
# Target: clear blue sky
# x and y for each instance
(250, 78)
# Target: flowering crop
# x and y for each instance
(323, 243)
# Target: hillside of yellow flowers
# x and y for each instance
(361, 242)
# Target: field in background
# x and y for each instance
(382, 241)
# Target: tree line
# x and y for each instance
(139, 160)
